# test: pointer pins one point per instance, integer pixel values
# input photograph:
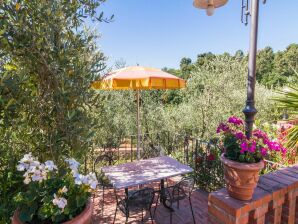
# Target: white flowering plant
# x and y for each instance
(52, 195)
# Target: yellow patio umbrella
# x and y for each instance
(138, 78)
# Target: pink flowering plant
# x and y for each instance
(52, 195)
(239, 148)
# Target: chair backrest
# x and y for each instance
(184, 186)
(99, 162)
(141, 199)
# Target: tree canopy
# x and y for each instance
(48, 57)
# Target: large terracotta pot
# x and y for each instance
(241, 178)
(84, 218)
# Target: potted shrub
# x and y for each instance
(53, 195)
(243, 158)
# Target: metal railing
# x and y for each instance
(202, 156)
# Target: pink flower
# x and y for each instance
(244, 147)
(239, 135)
(222, 127)
(235, 120)
(253, 147)
(211, 157)
(263, 151)
(274, 146)
(261, 135)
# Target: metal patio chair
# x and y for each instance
(136, 201)
(183, 189)
(101, 161)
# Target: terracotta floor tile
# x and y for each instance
(162, 215)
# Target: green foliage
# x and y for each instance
(288, 99)
(47, 61)
(274, 69)
(215, 91)
(232, 148)
(265, 65)
(277, 69)
(186, 67)
(116, 117)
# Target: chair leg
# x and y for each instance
(115, 214)
(103, 200)
(178, 204)
(126, 215)
(194, 221)
(171, 217)
(151, 215)
(156, 205)
(142, 216)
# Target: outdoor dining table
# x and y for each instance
(145, 171)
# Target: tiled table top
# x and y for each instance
(144, 171)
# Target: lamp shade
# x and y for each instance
(203, 4)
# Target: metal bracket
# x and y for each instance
(245, 11)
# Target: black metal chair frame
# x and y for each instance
(100, 177)
(129, 201)
(176, 193)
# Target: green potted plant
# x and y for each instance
(52, 195)
(242, 157)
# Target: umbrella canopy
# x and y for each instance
(138, 78)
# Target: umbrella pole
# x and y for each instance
(138, 125)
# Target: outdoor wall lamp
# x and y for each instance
(250, 9)
(209, 5)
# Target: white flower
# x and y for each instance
(85, 179)
(79, 179)
(60, 202)
(73, 164)
(22, 166)
(25, 162)
(93, 184)
(64, 189)
(89, 180)
(37, 176)
(28, 158)
(35, 171)
(92, 180)
(50, 165)
(34, 163)
(27, 180)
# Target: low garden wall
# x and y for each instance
(275, 201)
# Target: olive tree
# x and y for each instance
(48, 57)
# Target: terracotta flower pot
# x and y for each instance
(83, 218)
(241, 178)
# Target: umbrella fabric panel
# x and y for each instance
(137, 77)
(144, 83)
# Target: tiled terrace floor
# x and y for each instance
(162, 215)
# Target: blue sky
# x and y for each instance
(158, 33)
